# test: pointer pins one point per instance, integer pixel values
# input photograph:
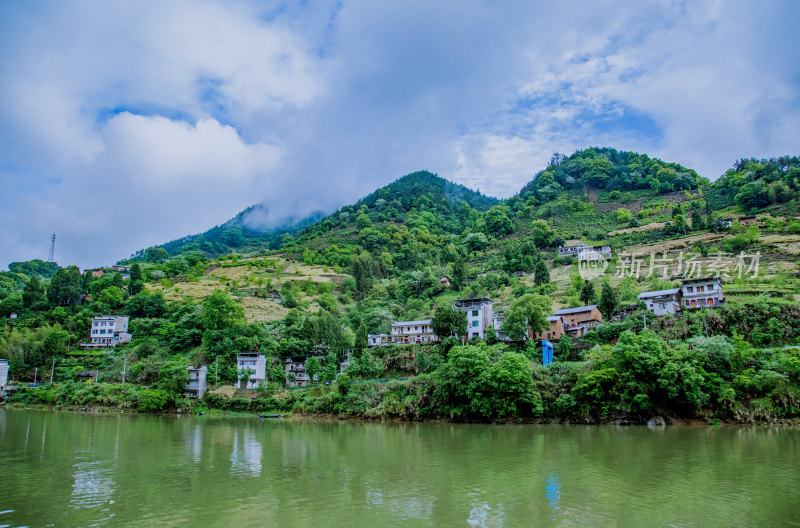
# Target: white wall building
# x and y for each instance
(3, 373)
(407, 332)
(585, 252)
(701, 293)
(108, 331)
(479, 315)
(197, 385)
(662, 302)
(257, 363)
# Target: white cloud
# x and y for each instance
(181, 114)
(154, 180)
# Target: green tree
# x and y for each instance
(541, 274)
(608, 300)
(470, 384)
(697, 221)
(221, 312)
(563, 348)
(587, 293)
(363, 271)
(112, 296)
(498, 224)
(624, 215)
(459, 272)
(491, 335)
(156, 255)
(34, 293)
(331, 367)
(449, 322)
(680, 223)
(529, 311)
(361, 341)
(136, 284)
(313, 367)
(65, 287)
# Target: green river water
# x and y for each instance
(67, 469)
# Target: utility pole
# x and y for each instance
(35, 372)
(706, 325)
(216, 373)
(124, 363)
(52, 248)
(97, 376)
(52, 369)
(644, 316)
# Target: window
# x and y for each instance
(474, 323)
(710, 287)
(474, 313)
(700, 288)
(690, 289)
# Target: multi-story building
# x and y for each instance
(662, 302)
(108, 331)
(3, 373)
(701, 292)
(257, 363)
(479, 315)
(497, 321)
(197, 384)
(408, 332)
(295, 371)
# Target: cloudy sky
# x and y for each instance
(127, 124)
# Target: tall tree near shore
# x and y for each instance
(608, 301)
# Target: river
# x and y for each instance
(68, 469)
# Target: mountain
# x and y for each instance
(607, 169)
(422, 218)
(241, 234)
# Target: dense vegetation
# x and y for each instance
(329, 283)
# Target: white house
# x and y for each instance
(3, 373)
(197, 384)
(662, 302)
(479, 315)
(108, 331)
(497, 322)
(701, 293)
(585, 252)
(257, 363)
(407, 332)
(374, 340)
(297, 368)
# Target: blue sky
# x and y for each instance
(125, 124)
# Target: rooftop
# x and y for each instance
(658, 293)
(473, 299)
(579, 309)
(410, 323)
(699, 279)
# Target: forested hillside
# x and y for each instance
(408, 250)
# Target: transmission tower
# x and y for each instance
(52, 248)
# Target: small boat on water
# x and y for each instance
(262, 416)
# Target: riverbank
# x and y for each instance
(210, 413)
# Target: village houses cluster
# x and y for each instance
(693, 293)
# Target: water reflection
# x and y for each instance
(246, 454)
(552, 491)
(93, 485)
(160, 471)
